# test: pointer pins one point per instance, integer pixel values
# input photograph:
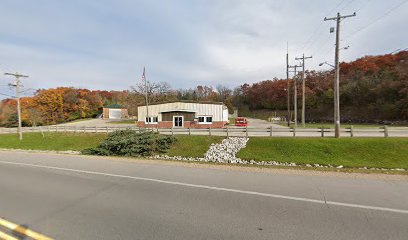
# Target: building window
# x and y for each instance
(205, 119)
(152, 120)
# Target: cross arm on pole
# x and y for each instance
(16, 75)
(301, 58)
(339, 17)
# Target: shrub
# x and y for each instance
(132, 143)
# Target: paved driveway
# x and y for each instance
(259, 123)
(96, 123)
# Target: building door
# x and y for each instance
(178, 121)
(115, 114)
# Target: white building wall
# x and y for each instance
(201, 109)
(225, 114)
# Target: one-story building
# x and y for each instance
(115, 111)
(183, 114)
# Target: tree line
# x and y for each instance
(372, 89)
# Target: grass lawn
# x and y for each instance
(331, 125)
(52, 141)
(349, 152)
(124, 122)
(192, 146)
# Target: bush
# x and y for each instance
(132, 143)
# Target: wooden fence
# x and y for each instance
(229, 131)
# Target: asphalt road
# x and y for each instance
(78, 197)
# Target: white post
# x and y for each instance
(385, 131)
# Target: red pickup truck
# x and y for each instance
(241, 122)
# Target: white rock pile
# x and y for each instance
(225, 152)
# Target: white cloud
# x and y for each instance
(105, 44)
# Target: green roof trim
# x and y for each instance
(115, 106)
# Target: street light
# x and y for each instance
(321, 64)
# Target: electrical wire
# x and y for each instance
(376, 20)
(316, 31)
(346, 5)
(7, 95)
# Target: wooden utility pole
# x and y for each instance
(303, 87)
(295, 94)
(288, 85)
(17, 86)
(338, 19)
(146, 96)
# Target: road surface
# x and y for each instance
(82, 197)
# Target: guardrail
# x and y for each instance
(230, 131)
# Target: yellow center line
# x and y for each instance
(22, 230)
(6, 236)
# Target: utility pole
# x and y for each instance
(146, 96)
(338, 19)
(17, 86)
(295, 93)
(303, 87)
(287, 84)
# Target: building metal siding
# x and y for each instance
(168, 116)
(198, 109)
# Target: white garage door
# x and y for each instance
(115, 114)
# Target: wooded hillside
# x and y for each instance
(372, 89)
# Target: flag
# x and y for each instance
(143, 75)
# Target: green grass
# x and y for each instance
(349, 152)
(331, 125)
(124, 122)
(186, 146)
(52, 141)
(192, 146)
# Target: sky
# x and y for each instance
(104, 44)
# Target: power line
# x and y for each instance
(377, 19)
(347, 4)
(365, 3)
(7, 95)
(361, 6)
(318, 28)
(321, 46)
(29, 89)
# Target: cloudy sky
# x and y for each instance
(104, 44)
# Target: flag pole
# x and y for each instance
(147, 99)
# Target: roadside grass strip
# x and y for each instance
(20, 230)
(52, 141)
(192, 146)
(351, 153)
